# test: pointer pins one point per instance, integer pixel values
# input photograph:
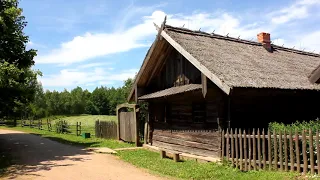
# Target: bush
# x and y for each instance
(62, 127)
(299, 126)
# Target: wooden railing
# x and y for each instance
(282, 151)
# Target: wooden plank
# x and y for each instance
(232, 147)
(297, 151)
(241, 148)
(250, 151)
(275, 148)
(269, 150)
(222, 146)
(245, 150)
(285, 151)
(280, 151)
(172, 140)
(254, 150)
(311, 151)
(204, 85)
(224, 87)
(291, 151)
(137, 139)
(259, 149)
(237, 149)
(227, 145)
(264, 149)
(304, 152)
(318, 151)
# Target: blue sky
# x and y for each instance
(90, 43)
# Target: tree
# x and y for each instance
(18, 82)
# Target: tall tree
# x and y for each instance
(17, 81)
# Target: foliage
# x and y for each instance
(299, 126)
(102, 101)
(194, 170)
(73, 139)
(17, 79)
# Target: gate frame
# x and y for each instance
(135, 110)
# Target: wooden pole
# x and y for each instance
(250, 150)
(77, 129)
(237, 149)
(264, 149)
(285, 151)
(222, 145)
(269, 150)
(275, 148)
(245, 150)
(254, 150)
(227, 145)
(311, 151)
(240, 140)
(259, 149)
(304, 152)
(280, 151)
(318, 151)
(137, 126)
(232, 147)
(291, 152)
(118, 124)
(146, 131)
(297, 151)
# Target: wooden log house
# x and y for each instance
(197, 83)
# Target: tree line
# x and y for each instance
(101, 101)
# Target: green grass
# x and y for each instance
(87, 120)
(73, 139)
(194, 170)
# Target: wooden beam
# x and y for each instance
(137, 127)
(224, 87)
(315, 75)
(204, 85)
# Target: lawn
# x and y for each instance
(87, 120)
(195, 170)
(73, 139)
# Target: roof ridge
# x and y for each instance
(218, 36)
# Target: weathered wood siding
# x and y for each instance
(203, 143)
(127, 126)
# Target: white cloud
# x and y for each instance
(298, 10)
(79, 77)
(90, 65)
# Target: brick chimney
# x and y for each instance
(264, 39)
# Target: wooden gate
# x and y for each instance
(128, 127)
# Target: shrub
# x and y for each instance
(62, 127)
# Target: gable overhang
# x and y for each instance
(133, 96)
(315, 75)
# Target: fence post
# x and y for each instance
(297, 151)
(280, 151)
(77, 128)
(227, 145)
(254, 150)
(245, 150)
(232, 147)
(264, 149)
(311, 151)
(318, 151)
(304, 152)
(285, 151)
(269, 150)
(291, 152)
(275, 148)
(250, 150)
(241, 155)
(222, 146)
(259, 148)
(80, 129)
(237, 149)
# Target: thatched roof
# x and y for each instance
(172, 91)
(241, 63)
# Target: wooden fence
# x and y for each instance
(297, 151)
(106, 129)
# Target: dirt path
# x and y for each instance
(40, 158)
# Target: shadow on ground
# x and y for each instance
(27, 154)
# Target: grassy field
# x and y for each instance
(87, 120)
(194, 170)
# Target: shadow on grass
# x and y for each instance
(27, 154)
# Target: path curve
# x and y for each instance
(40, 158)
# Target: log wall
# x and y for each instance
(202, 143)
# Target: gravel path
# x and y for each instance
(40, 158)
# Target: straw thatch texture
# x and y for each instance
(240, 63)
